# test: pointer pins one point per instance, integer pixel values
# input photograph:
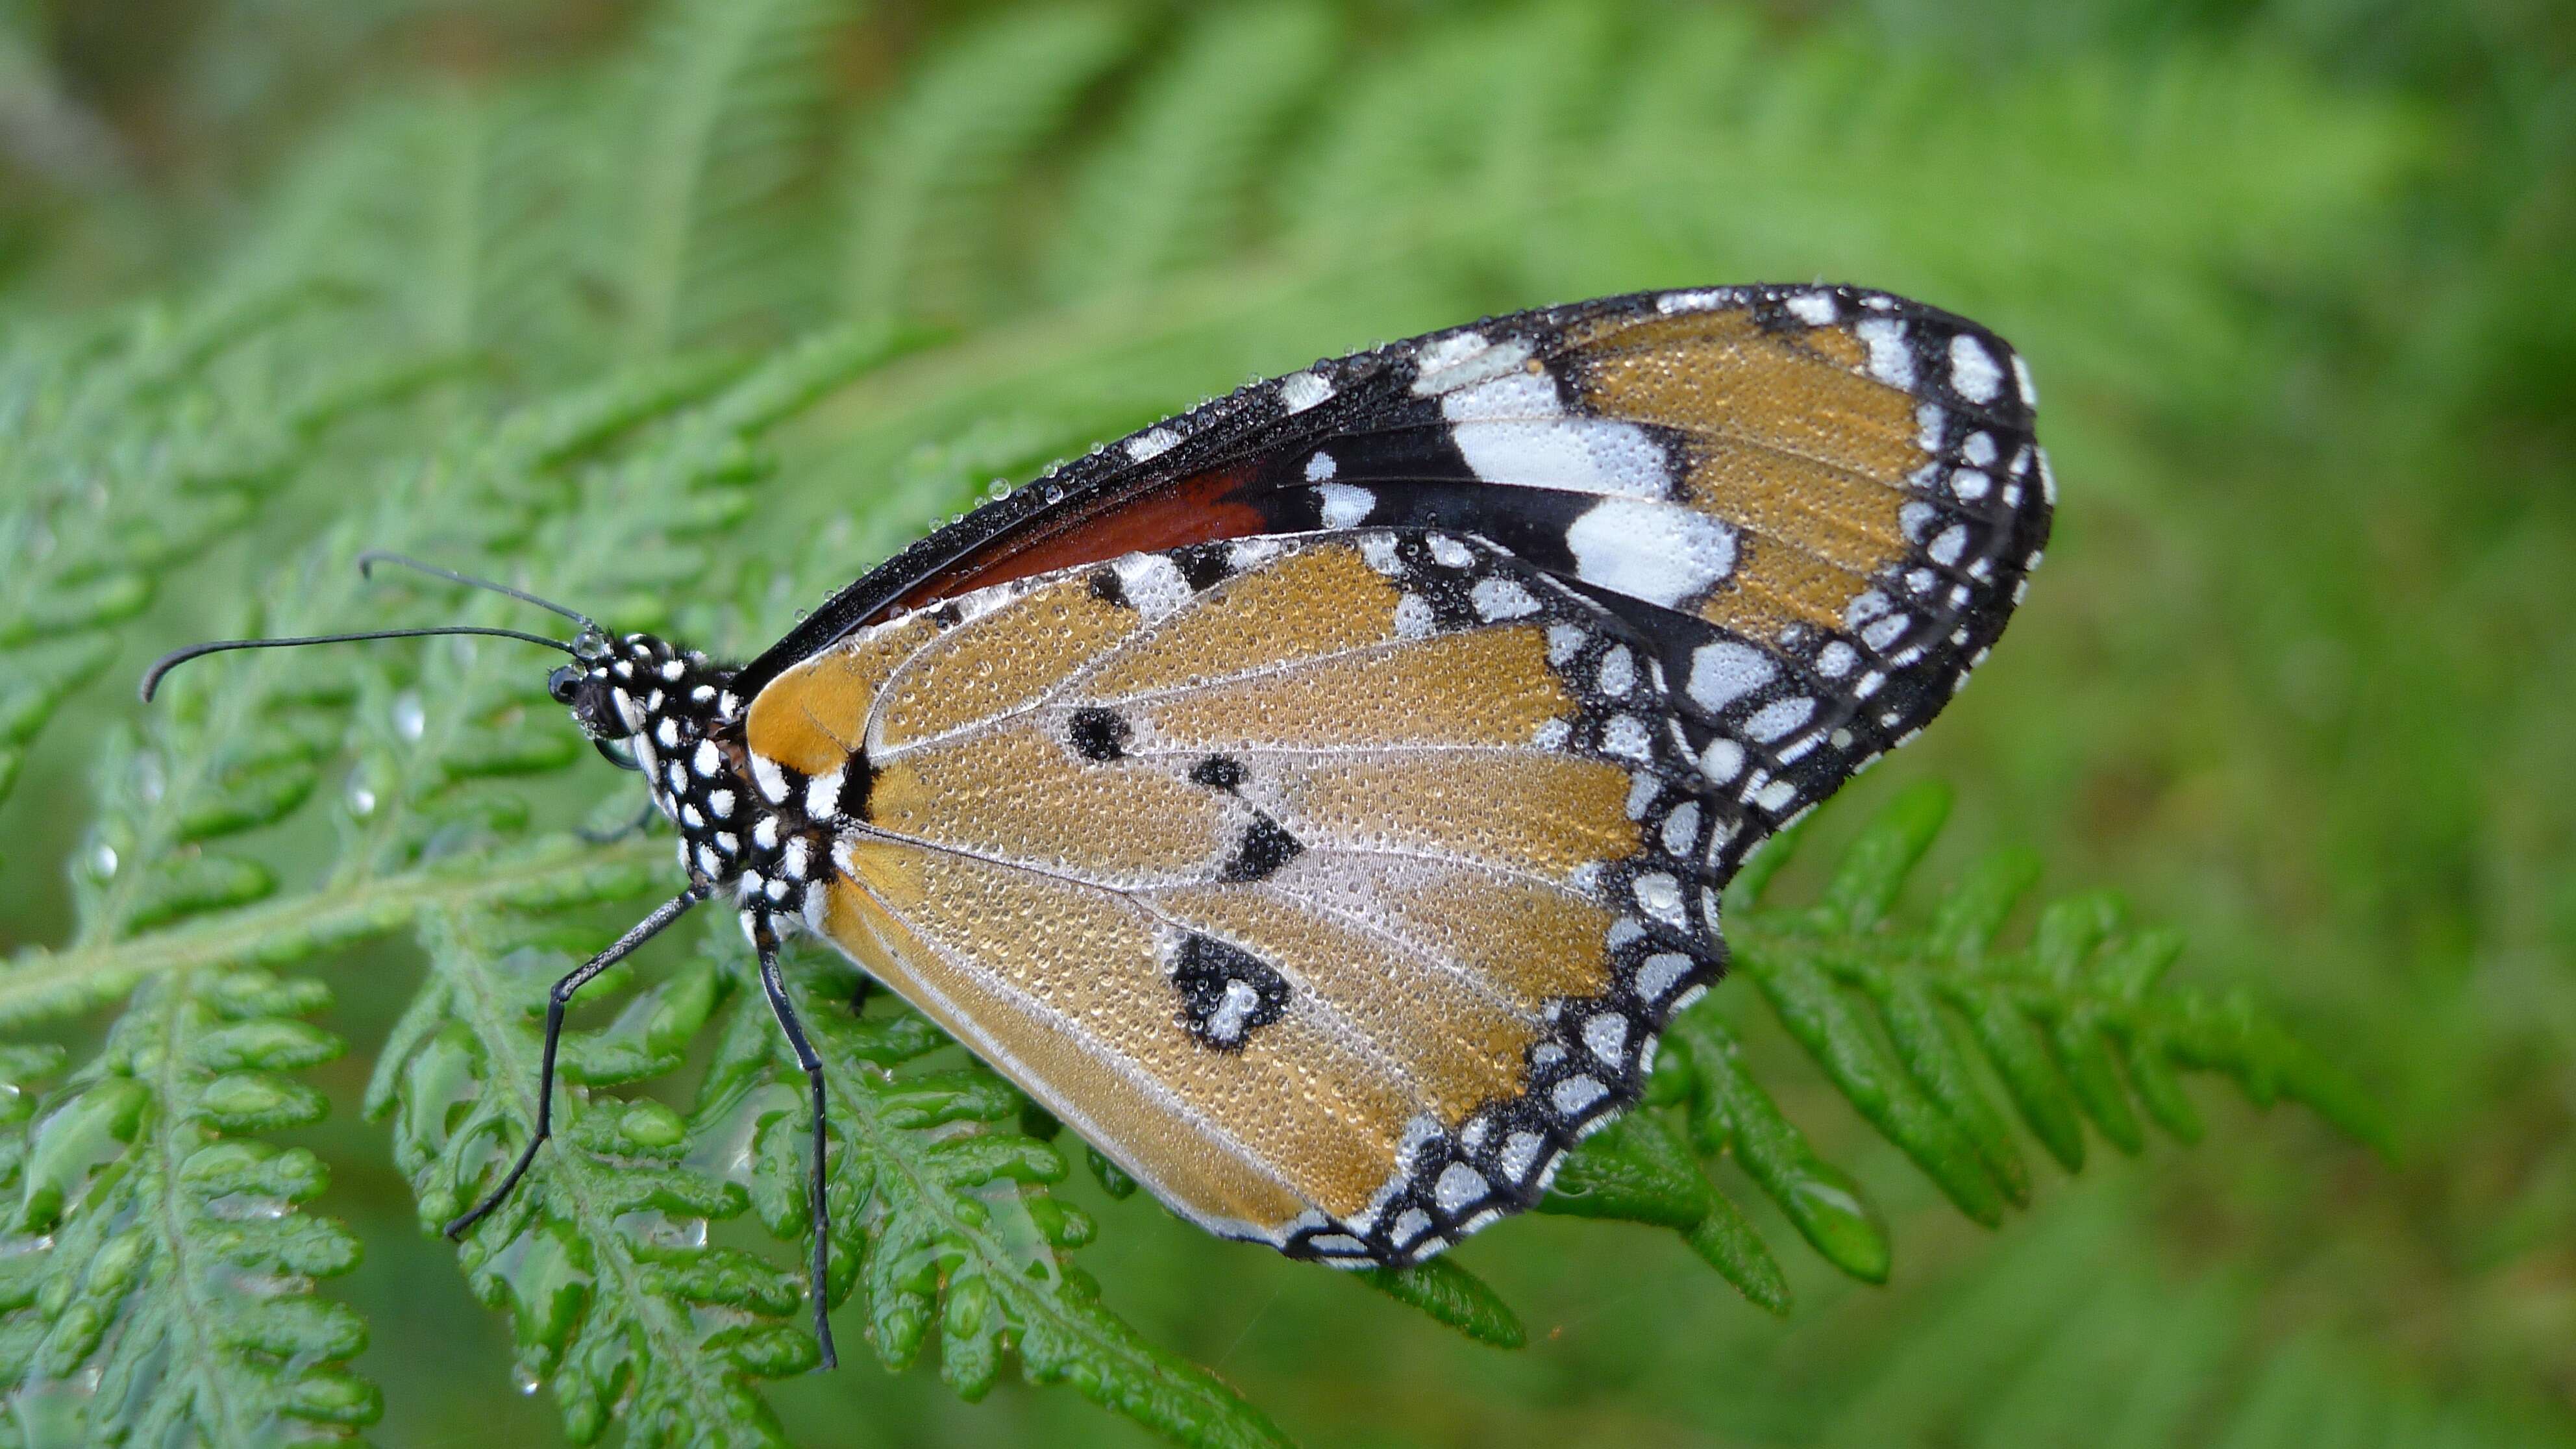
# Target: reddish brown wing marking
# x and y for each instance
(1201, 508)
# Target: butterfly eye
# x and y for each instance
(563, 683)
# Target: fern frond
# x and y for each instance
(123, 459)
(1172, 188)
(728, 112)
(162, 1276)
(2066, 1336)
(927, 201)
(2078, 1026)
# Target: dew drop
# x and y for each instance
(410, 719)
(362, 801)
(998, 488)
(1052, 493)
(528, 1380)
(102, 861)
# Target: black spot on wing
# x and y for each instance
(1218, 772)
(1226, 992)
(1108, 589)
(1098, 734)
(1203, 564)
(1266, 847)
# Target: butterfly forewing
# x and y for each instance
(1319, 800)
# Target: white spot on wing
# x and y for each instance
(1726, 671)
(1663, 553)
(1816, 309)
(1972, 369)
(823, 796)
(1618, 672)
(1152, 583)
(1625, 736)
(1459, 1185)
(1660, 973)
(1343, 505)
(1299, 391)
(1575, 1094)
(1152, 444)
(1660, 896)
(1606, 1035)
(1891, 361)
(1501, 599)
(1409, 1225)
(1779, 717)
(1722, 761)
(1539, 450)
(1463, 359)
(1681, 828)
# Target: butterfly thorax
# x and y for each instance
(674, 709)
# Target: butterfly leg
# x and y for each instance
(776, 986)
(556, 998)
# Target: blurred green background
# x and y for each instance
(2298, 283)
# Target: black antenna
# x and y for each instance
(366, 569)
(590, 630)
(177, 657)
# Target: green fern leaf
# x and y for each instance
(2076, 1026)
(730, 108)
(928, 197)
(163, 1276)
(1173, 188)
(124, 458)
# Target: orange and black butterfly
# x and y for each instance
(1320, 801)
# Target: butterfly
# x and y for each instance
(1320, 800)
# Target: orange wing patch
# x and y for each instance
(986, 667)
(1491, 688)
(1793, 443)
(809, 719)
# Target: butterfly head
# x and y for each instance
(645, 695)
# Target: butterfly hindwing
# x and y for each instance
(1335, 886)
